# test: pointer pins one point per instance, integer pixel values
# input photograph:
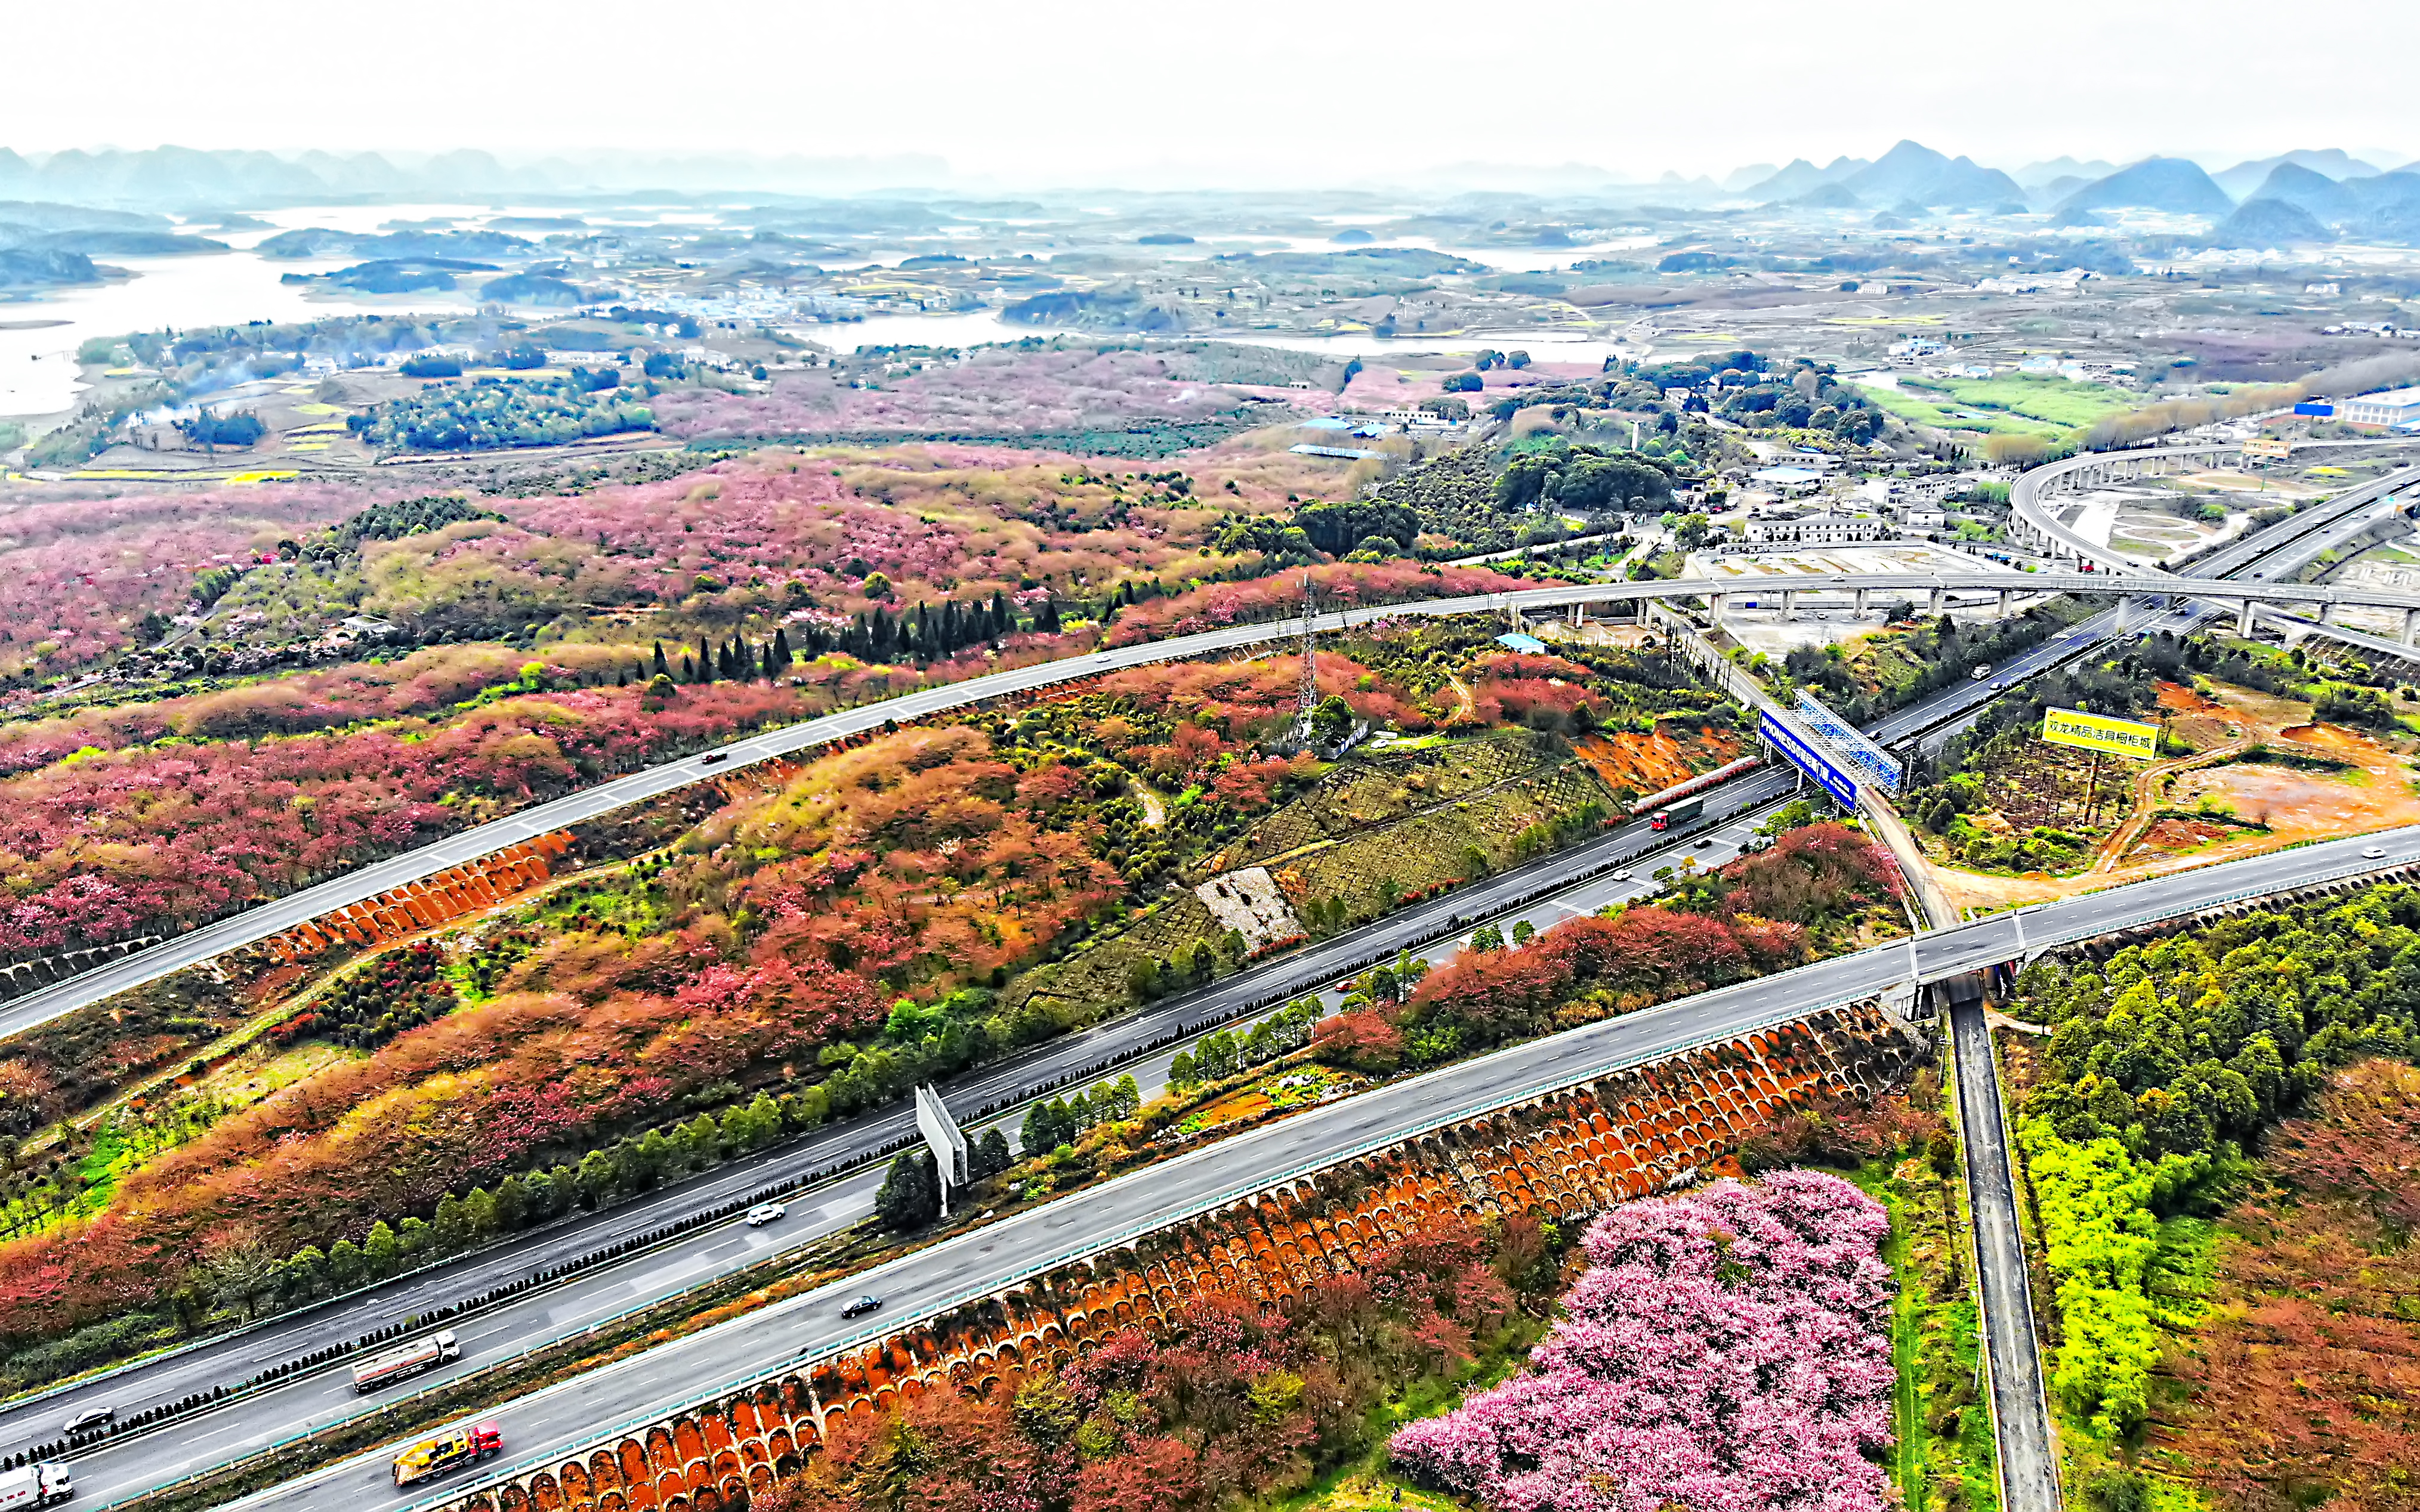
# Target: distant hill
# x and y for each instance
(318, 241)
(2268, 223)
(1802, 176)
(2040, 175)
(1912, 173)
(102, 242)
(2389, 204)
(1827, 197)
(2176, 185)
(46, 268)
(529, 289)
(2245, 180)
(2315, 194)
(2052, 195)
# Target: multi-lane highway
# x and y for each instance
(699, 1257)
(566, 1418)
(135, 969)
(716, 1251)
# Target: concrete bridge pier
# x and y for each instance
(1940, 597)
(1861, 604)
(1579, 616)
(1790, 603)
(2243, 619)
(2005, 596)
(2410, 621)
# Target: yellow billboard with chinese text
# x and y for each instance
(2099, 732)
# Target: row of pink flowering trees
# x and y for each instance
(1726, 1351)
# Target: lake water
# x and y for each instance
(38, 369)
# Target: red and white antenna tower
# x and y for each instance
(1307, 695)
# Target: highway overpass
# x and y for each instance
(1933, 590)
(719, 1362)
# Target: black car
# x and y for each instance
(717, 759)
(861, 1306)
(91, 1418)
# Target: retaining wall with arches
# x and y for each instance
(1567, 1155)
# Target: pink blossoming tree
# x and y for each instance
(1725, 1352)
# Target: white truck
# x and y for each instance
(36, 1485)
(406, 1359)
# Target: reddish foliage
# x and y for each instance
(76, 576)
(595, 1034)
(1654, 952)
(2303, 1384)
(1343, 585)
(124, 842)
(1810, 873)
(1361, 1042)
(1236, 1402)
(423, 681)
(996, 391)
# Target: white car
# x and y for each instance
(1626, 876)
(2373, 853)
(768, 1213)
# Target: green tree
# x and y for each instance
(910, 1196)
(1487, 937)
(544, 1195)
(512, 1204)
(597, 1179)
(479, 1212)
(987, 1156)
(1143, 980)
(382, 1252)
(300, 1279)
(453, 1227)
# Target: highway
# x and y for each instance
(2028, 1457)
(152, 963)
(549, 1424)
(718, 1249)
(526, 1320)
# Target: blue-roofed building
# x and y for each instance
(1518, 641)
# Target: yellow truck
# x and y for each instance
(448, 1451)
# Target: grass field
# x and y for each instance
(2037, 396)
(2014, 404)
(1917, 408)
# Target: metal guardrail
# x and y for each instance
(1546, 1085)
(827, 1176)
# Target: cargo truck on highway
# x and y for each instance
(409, 1360)
(432, 1457)
(1680, 813)
(36, 1485)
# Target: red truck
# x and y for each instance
(448, 1451)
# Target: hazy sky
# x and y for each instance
(1051, 91)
